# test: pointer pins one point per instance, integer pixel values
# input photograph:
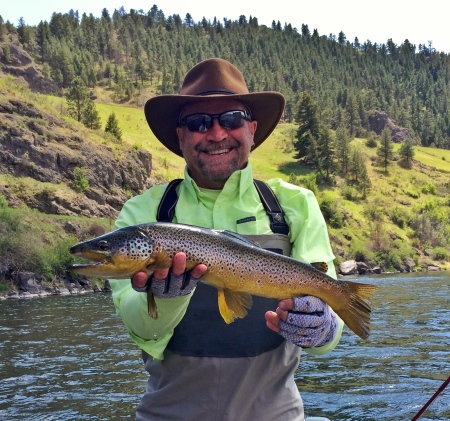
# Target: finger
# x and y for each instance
(272, 320)
(309, 304)
(282, 314)
(199, 271)
(140, 279)
(287, 304)
(179, 264)
(160, 274)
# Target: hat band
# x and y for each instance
(217, 91)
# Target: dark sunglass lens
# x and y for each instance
(232, 120)
(198, 122)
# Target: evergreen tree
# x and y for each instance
(112, 126)
(385, 149)
(77, 98)
(308, 129)
(326, 153)
(90, 118)
(343, 148)
(353, 115)
(364, 180)
(356, 165)
(407, 152)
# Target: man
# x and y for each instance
(201, 368)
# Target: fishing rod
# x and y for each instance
(441, 388)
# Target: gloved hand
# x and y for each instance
(310, 323)
(171, 283)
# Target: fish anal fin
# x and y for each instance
(322, 266)
(232, 305)
(151, 305)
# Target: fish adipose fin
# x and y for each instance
(232, 305)
(322, 266)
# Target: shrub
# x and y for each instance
(360, 251)
(399, 217)
(331, 211)
(411, 193)
(429, 189)
(371, 141)
(80, 181)
(349, 193)
(440, 253)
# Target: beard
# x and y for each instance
(220, 173)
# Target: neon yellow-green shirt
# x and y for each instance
(219, 210)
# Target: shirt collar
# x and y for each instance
(240, 180)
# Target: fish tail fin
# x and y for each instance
(232, 305)
(356, 315)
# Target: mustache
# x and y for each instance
(212, 146)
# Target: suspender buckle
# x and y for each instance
(277, 223)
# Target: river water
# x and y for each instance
(69, 358)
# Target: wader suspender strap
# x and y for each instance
(270, 202)
(166, 208)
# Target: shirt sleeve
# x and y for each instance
(151, 335)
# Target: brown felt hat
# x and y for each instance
(212, 78)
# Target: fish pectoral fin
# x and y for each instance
(151, 305)
(232, 304)
(160, 260)
(322, 266)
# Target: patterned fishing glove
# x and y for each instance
(311, 323)
(172, 286)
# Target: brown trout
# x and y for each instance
(237, 267)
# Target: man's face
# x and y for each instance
(212, 156)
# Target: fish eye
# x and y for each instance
(103, 245)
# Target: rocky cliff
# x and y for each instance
(37, 144)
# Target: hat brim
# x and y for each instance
(162, 113)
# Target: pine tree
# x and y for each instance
(356, 164)
(407, 153)
(385, 150)
(343, 148)
(77, 98)
(90, 118)
(308, 129)
(112, 126)
(326, 153)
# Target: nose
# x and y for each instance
(216, 131)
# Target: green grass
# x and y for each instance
(399, 192)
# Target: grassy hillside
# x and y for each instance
(382, 229)
(375, 227)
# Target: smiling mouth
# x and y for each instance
(219, 152)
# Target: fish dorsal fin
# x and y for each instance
(236, 237)
(232, 305)
(322, 266)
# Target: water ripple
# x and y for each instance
(70, 358)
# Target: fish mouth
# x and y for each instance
(96, 259)
(76, 266)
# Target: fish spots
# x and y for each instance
(135, 246)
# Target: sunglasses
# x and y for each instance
(202, 122)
